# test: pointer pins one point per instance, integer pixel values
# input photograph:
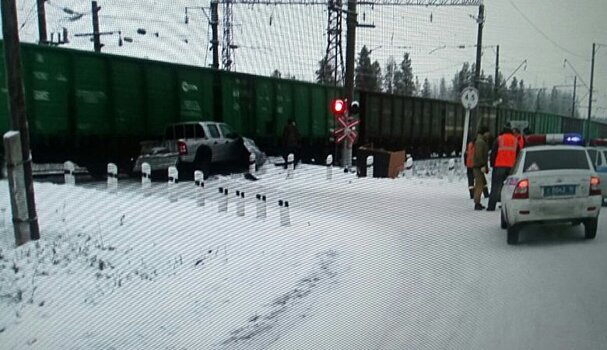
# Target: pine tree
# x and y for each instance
(324, 74)
(443, 93)
(390, 76)
(418, 87)
(276, 74)
(404, 77)
(427, 89)
(461, 80)
(365, 74)
(553, 106)
(376, 80)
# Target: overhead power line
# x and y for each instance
(543, 33)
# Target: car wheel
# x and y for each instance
(503, 224)
(202, 161)
(513, 234)
(590, 226)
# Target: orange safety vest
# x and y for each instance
(521, 141)
(470, 155)
(506, 151)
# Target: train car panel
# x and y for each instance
(129, 109)
(195, 88)
(92, 103)
(161, 99)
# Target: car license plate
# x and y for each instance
(561, 190)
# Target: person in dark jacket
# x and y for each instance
(469, 157)
(291, 141)
(480, 165)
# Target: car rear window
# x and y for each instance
(593, 153)
(555, 160)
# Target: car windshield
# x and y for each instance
(557, 159)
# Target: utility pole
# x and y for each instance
(215, 36)
(573, 103)
(41, 22)
(479, 51)
(18, 118)
(96, 36)
(351, 21)
(497, 69)
(587, 133)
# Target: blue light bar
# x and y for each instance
(573, 139)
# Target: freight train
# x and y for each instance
(93, 108)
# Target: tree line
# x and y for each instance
(398, 78)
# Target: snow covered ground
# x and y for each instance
(365, 264)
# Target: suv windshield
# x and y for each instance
(557, 159)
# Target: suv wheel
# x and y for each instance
(590, 226)
(513, 234)
(202, 161)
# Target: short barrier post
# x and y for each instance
(199, 182)
(261, 206)
(252, 159)
(240, 202)
(370, 166)
(112, 177)
(222, 204)
(451, 169)
(290, 165)
(68, 173)
(285, 219)
(173, 180)
(146, 179)
(329, 163)
(409, 167)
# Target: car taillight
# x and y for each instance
(182, 147)
(522, 190)
(595, 186)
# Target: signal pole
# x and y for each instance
(18, 119)
(574, 88)
(351, 20)
(587, 133)
(479, 51)
(96, 37)
(41, 22)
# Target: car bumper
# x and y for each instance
(526, 211)
(156, 162)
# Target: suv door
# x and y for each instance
(216, 142)
(230, 138)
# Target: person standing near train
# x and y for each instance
(480, 165)
(469, 156)
(503, 156)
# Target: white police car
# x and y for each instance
(598, 156)
(551, 183)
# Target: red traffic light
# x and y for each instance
(338, 107)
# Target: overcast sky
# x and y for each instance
(293, 38)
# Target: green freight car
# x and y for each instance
(95, 108)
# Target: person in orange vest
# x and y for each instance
(469, 156)
(519, 138)
(503, 155)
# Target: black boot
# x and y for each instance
(486, 192)
(472, 194)
(478, 206)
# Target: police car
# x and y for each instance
(598, 155)
(553, 180)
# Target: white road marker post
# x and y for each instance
(112, 177)
(68, 173)
(451, 170)
(285, 219)
(409, 168)
(146, 179)
(290, 165)
(329, 163)
(172, 184)
(252, 163)
(261, 206)
(199, 182)
(17, 187)
(222, 204)
(240, 203)
(370, 166)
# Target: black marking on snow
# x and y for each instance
(285, 311)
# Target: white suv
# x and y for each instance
(551, 184)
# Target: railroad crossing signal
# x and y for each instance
(347, 130)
